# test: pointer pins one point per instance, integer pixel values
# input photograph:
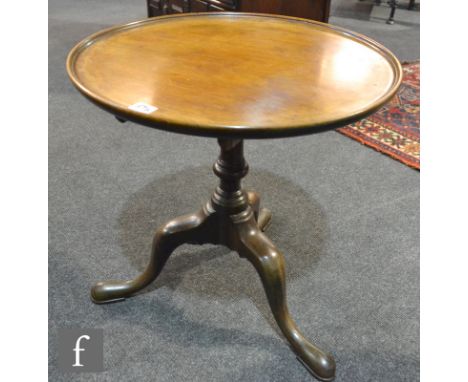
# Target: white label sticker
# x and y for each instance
(143, 107)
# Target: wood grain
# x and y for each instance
(235, 74)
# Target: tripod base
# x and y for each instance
(232, 218)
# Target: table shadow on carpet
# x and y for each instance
(298, 229)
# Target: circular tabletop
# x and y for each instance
(236, 75)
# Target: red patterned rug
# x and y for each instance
(394, 129)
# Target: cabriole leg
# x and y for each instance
(269, 263)
(193, 229)
(262, 215)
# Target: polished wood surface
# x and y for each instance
(235, 75)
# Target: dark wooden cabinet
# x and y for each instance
(310, 9)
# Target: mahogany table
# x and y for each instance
(233, 76)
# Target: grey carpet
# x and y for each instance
(369, 19)
(346, 217)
